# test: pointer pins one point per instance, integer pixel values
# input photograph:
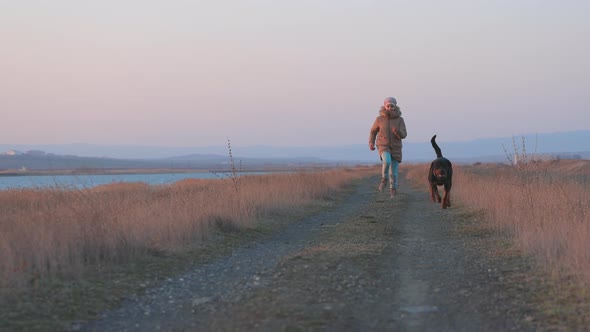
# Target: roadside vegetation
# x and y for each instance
(69, 253)
(545, 207)
(61, 232)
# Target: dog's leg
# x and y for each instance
(447, 196)
(431, 187)
(434, 189)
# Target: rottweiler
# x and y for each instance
(440, 174)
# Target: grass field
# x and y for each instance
(64, 251)
(53, 232)
(48, 233)
(545, 205)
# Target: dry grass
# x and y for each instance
(62, 232)
(546, 205)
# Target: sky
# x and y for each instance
(288, 73)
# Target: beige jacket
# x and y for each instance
(383, 135)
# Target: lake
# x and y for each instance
(88, 181)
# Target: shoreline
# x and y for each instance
(15, 173)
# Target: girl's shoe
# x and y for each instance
(382, 184)
(391, 192)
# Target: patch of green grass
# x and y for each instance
(369, 219)
(565, 302)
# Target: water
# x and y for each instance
(88, 181)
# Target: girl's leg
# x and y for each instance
(394, 174)
(385, 168)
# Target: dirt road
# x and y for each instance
(370, 264)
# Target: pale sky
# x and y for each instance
(288, 73)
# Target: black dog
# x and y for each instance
(440, 174)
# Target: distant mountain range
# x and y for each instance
(575, 144)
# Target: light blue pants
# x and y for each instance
(389, 169)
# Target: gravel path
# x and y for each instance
(371, 264)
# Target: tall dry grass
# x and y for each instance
(546, 205)
(49, 232)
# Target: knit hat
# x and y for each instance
(390, 100)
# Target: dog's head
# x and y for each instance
(440, 173)
(441, 169)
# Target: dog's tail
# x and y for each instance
(435, 146)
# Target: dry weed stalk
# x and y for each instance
(521, 165)
(234, 171)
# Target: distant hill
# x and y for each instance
(575, 143)
(57, 162)
(485, 150)
(52, 162)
